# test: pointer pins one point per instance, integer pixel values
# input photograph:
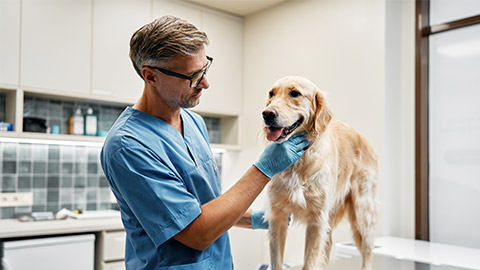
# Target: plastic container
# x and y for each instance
(76, 123)
(6, 126)
(90, 123)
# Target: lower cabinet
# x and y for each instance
(113, 266)
(110, 250)
(72, 252)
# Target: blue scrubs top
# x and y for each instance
(160, 180)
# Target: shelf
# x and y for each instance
(61, 137)
(229, 136)
(223, 127)
(74, 139)
(43, 138)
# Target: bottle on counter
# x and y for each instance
(90, 123)
(76, 122)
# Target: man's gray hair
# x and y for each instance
(156, 42)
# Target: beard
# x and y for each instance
(192, 101)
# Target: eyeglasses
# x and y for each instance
(195, 79)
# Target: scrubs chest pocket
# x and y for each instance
(204, 181)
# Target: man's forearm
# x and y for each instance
(222, 213)
(246, 220)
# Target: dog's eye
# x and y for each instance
(294, 93)
(271, 94)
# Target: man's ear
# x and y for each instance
(323, 115)
(149, 75)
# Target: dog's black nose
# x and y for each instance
(269, 115)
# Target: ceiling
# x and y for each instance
(238, 7)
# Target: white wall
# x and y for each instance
(361, 53)
(399, 169)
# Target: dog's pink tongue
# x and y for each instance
(274, 133)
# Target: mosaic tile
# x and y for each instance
(39, 167)
(9, 183)
(25, 151)
(53, 152)
(25, 167)
(39, 181)
(9, 167)
(10, 151)
(59, 176)
(66, 181)
(24, 183)
(53, 181)
(67, 168)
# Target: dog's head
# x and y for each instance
(294, 104)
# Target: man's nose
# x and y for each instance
(204, 84)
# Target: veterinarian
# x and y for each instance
(158, 161)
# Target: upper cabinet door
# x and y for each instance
(113, 73)
(225, 76)
(9, 41)
(56, 45)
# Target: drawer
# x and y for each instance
(113, 245)
(114, 266)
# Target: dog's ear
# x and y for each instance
(323, 114)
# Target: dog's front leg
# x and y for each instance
(316, 238)
(312, 246)
(278, 225)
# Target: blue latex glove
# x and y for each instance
(277, 157)
(257, 220)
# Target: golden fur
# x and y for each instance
(336, 177)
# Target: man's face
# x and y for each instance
(177, 91)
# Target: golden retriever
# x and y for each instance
(336, 176)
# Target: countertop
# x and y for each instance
(10, 228)
(419, 251)
(392, 253)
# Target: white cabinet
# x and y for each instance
(79, 50)
(225, 75)
(74, 252)
(114, 22)
(225, 34)
(110, 250)
(9, 41)
(56, 45)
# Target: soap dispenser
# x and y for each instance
(90, 123)
(76, 123)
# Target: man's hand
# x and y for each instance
(278, 157)
(258, 220)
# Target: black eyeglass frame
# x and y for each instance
(178, 75)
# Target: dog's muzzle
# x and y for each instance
(274, 131)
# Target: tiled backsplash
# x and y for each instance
(57, 111)
(213, 127)
(60, 176)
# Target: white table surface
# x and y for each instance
(419, 251)
(10, 228)
(381, 263)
